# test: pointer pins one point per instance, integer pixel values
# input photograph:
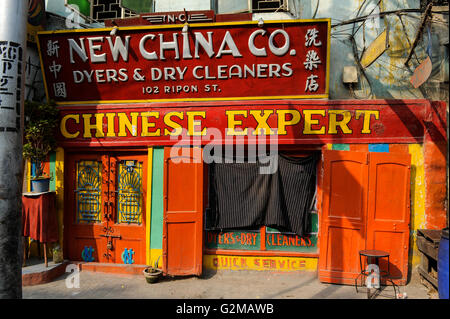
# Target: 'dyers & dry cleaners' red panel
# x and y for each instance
(188, 62)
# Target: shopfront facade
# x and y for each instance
(148, 113)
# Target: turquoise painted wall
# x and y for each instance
(156, 226)
(340, 147)
(52, 171)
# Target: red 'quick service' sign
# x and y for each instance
(216, 61)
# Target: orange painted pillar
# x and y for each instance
(435, 161)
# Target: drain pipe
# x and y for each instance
(13, 17)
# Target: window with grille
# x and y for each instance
(109, 9)
(269, 5)
(88, 191)
(100, 10)
(129, 192)
(255, 6)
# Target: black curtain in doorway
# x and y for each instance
(242, 197)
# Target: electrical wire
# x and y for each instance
(317, 8)
(406, 35)
(358, 62)
(344, 30)
(355, 51)
(357, 15)
(384, 13)
(364, 26)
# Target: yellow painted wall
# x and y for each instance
(28, 175)
(59, 188)
(155, 256)
(148, 205)
(417, 200)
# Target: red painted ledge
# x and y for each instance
(111, 268)
(42, 277)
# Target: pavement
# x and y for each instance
(224, 284)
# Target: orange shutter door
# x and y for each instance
(183, 211)
(388, 210)
(342, 232)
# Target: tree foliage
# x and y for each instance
(41, 122)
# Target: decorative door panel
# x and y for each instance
(343, 218)
(389, 210)
(341, 262)
(182, 257)
(395, 243)
(88, 191)
(183, 212)
(105, 219)
(348, 176)
(128, 218)
(84, 218)
(129, 191)
(86, 247)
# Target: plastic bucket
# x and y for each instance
(443, 265)
(40, 185)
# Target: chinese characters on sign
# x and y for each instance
(188, 62)
(10, 85)
(312, 59)
(59, 88)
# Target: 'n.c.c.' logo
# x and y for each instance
(87, 254)
(127, 256)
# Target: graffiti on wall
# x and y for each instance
(11, 56)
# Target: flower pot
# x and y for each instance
(152, 275)
(57, 255)
(40, 185)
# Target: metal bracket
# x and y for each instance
(111, 236)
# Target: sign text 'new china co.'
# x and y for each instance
(208, 61)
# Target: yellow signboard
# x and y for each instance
(270, 263)
(375, 49)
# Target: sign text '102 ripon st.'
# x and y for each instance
(190, 62)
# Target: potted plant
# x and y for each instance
(41, 121)
(152, 274)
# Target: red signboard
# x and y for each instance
(215, 61)
(174, 17)
(252, 122)
(421, 73)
